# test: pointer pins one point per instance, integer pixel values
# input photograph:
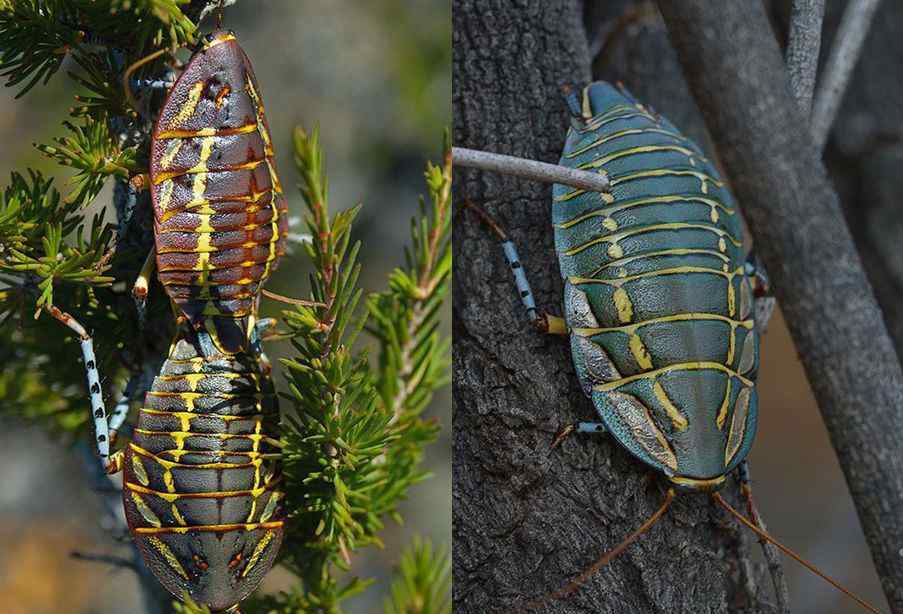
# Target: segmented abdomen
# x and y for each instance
(656, 291)
(220, 215)
(202, 476)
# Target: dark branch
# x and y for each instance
(844, 54)
(802, 49)
(735, 69)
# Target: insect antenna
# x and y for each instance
(743, 519)
(607, 557)
(127, 75)
(290, 300)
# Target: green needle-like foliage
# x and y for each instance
(423, 582)
(354, 437)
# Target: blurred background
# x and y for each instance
(797, 480)
(376, 77)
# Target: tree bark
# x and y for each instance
(819, 280)
(527, 518)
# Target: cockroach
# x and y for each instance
(202, 475)
(220, 217)
(660, 303)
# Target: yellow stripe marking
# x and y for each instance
(270, 506)
(678, 317)
(169, 497)
(165, 195)
(684, 366)
(198, 170)
(623, 304)
(642, 149)
(191, 415)
(662, 272)
(677, 419)
(138, 469)
(664, 252)
(146, 512)
(176, 434)
(219, 40)
(722, 412)
(596, 124)
(178, 516)
(676, 226)
(190, 105)
(172, 150)
(264, 134)
(623, 133)
(639, 351)
(704, 179)
(191, 134)
(258, 550)
(164, 550)
(210, 528)
(712, 203)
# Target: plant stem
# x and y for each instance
(803, 48)
(530, 169)
(844, 54)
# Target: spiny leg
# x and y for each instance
(135, 388)
(101, 429)
(772, 555)
(543, 321)
(761, 285)
(260, 332)
(133, 188)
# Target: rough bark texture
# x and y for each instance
(528, 518)
(797, 223)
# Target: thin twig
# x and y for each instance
(802, 49)
(530, 169)
(844, 54)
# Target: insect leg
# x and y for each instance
(543, 321)
(101, 430)
(765, 301)
(139, 290)
(578, 427)
(772, 556)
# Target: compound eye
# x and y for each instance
(209, 38)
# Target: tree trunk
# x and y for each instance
(528, 518)
(800, 233)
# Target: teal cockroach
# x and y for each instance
(662, 306)
(659, 300)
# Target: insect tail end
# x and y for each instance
(796, 557)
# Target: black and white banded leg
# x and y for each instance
(579, 427)
(98, 410)
(543, 321)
